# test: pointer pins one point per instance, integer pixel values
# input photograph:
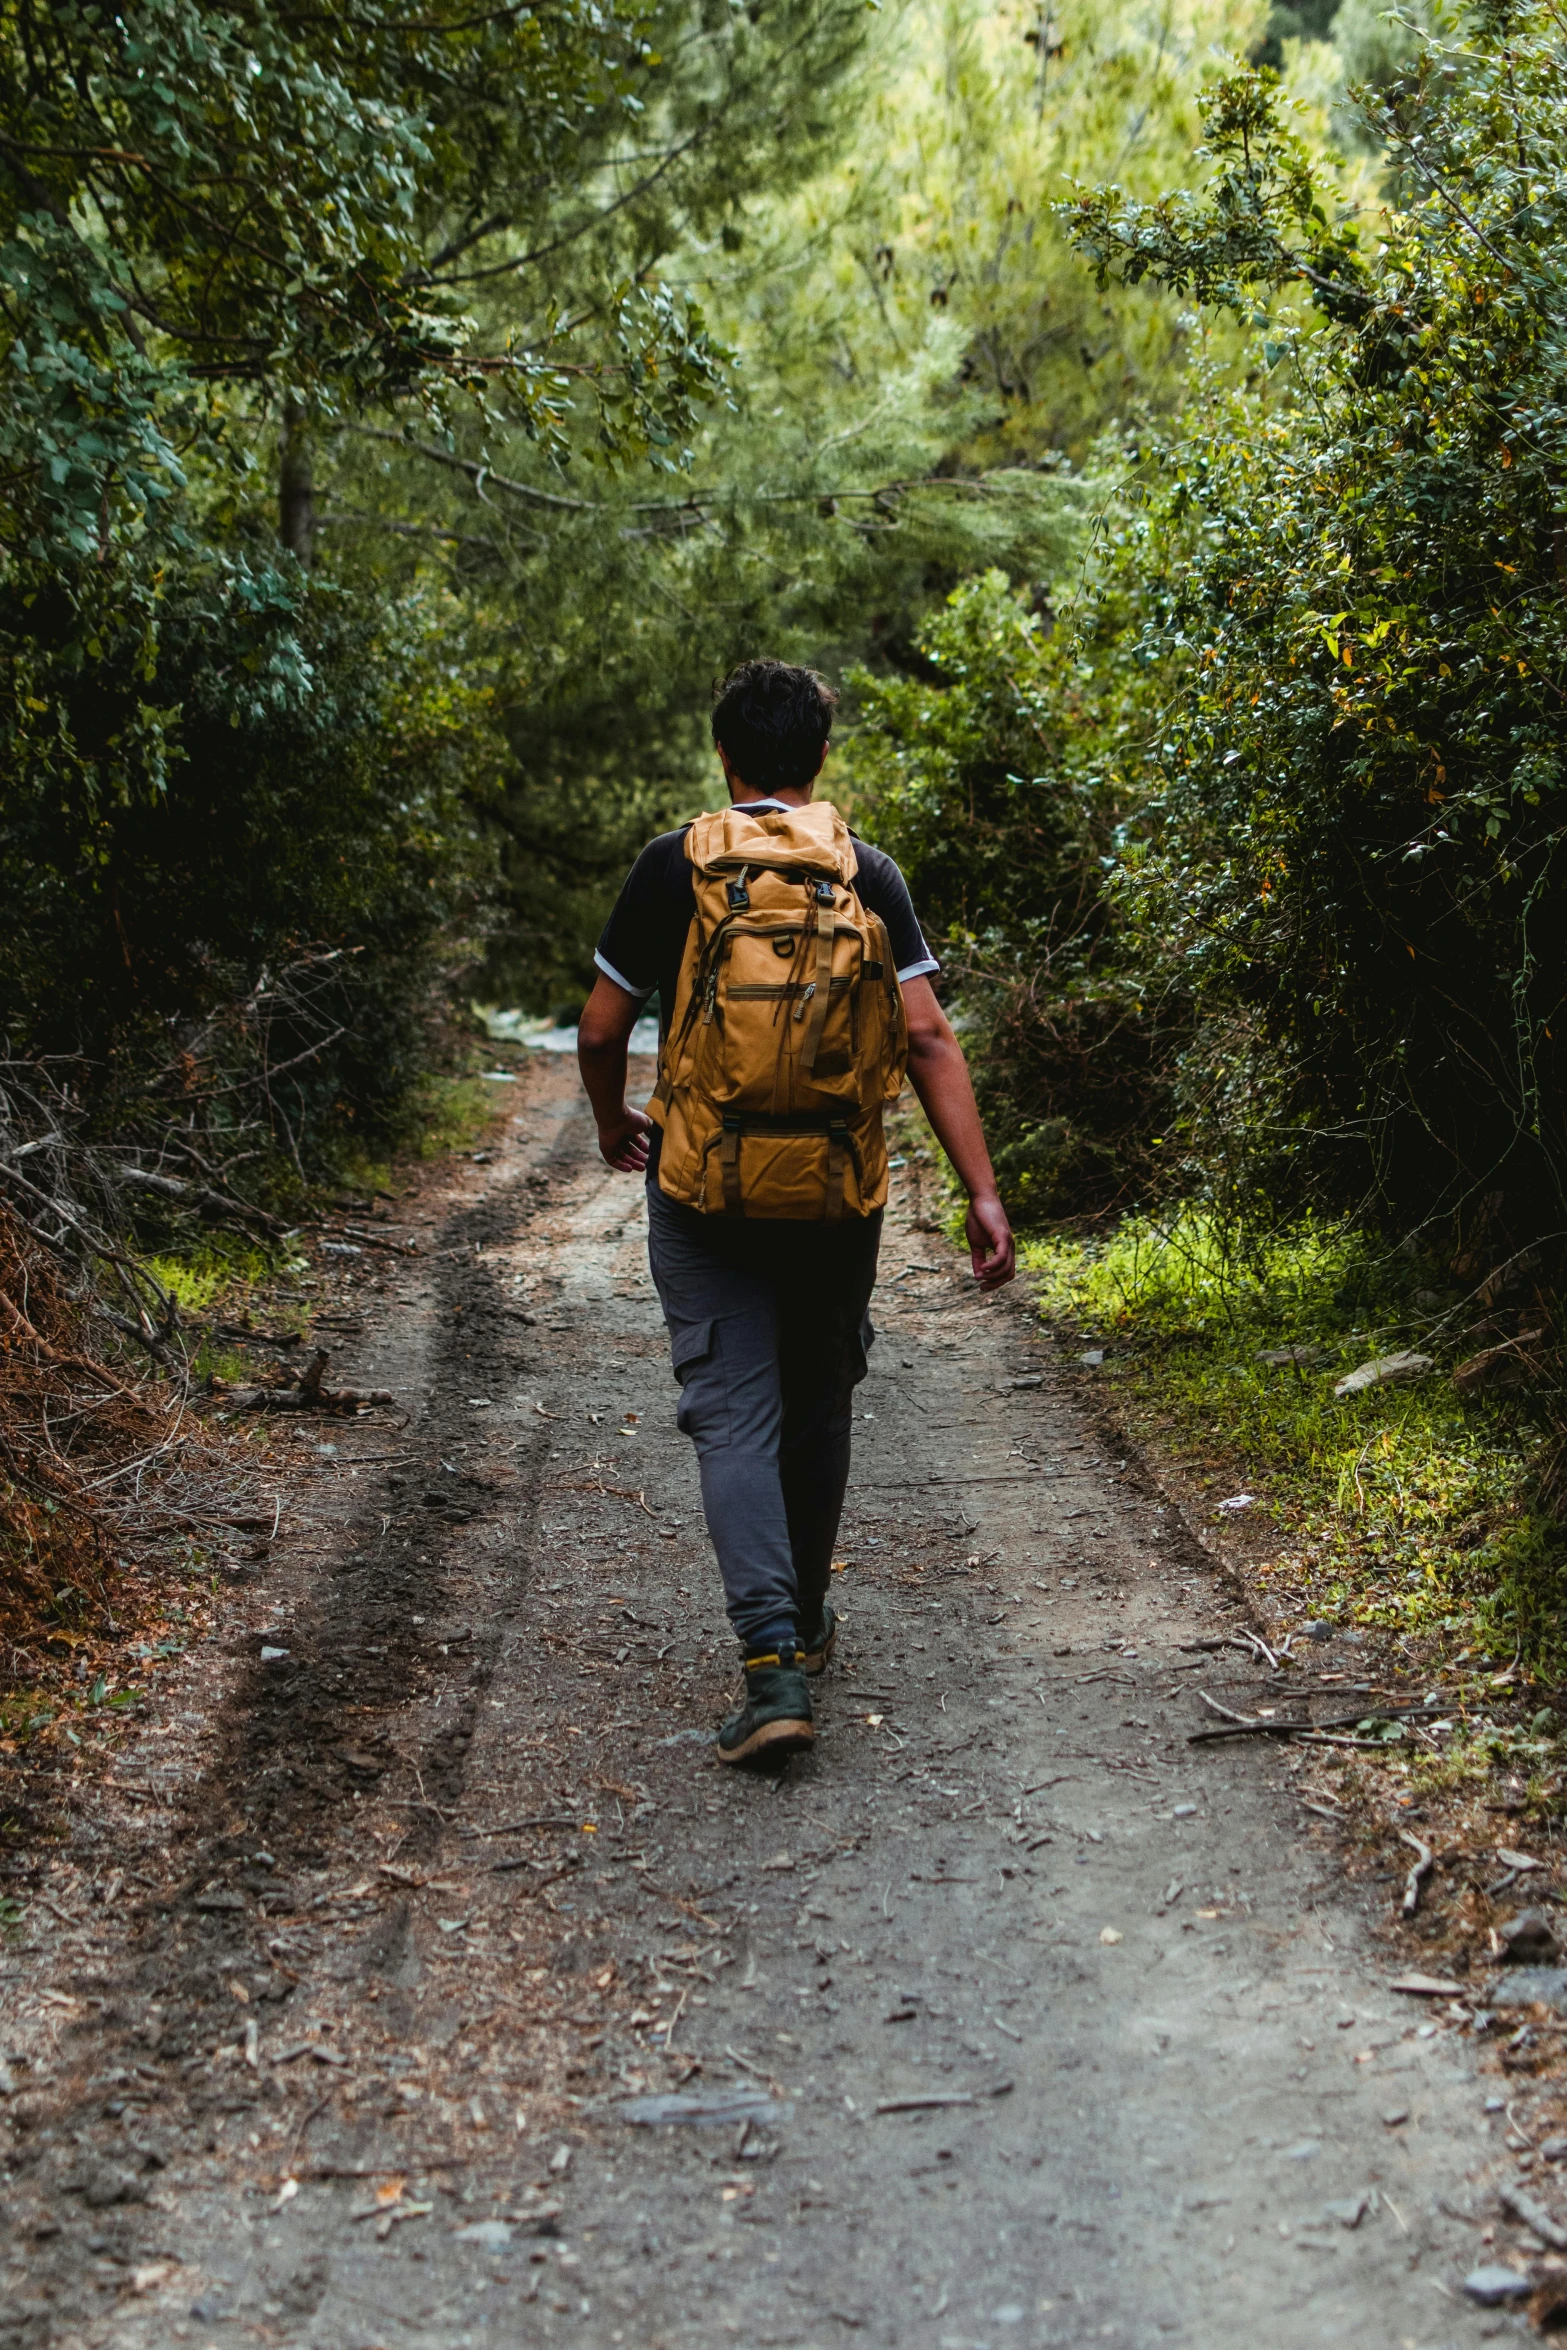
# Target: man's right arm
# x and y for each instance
(603, 1036)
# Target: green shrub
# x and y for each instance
(257, 931)
(1353, 831)
(1001, 780)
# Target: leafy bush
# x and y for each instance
(281, 901)
(1002, 780)
(239, 834)
(1355, 826)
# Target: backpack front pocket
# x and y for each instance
(771, 1042)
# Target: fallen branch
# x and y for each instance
(1249, 1644)
(516, 1827)
(66, 1361)
(357, 1233)
(306, 1394)
(1237, 1725)
(201, 1197)
(1236, 1728)
(1334, 1738)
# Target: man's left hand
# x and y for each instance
(991, 1248)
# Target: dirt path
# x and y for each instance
(1038, 2025)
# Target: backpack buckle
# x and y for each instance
(824, 893)
(739, 897)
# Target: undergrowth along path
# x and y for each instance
(1029, 2021)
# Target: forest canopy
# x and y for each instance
(1151, 414)
(408, 417)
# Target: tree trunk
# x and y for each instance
(296, 487)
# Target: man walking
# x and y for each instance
(793, 985)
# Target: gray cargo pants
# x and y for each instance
(769, 1324)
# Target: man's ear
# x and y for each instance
(735, 782)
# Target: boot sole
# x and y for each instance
(770, 1734)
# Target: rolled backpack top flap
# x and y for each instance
(813, 838)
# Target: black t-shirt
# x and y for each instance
(645, 937)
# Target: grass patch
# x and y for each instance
(355, 1172)
(1406, 1507)
(453, 1113)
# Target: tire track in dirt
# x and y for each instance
(1095, 1977)
(369, 1698)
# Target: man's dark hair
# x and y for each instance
(772, 720)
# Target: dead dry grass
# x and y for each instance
(112, 1491)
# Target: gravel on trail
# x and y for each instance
(436, 1986)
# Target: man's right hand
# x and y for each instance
(603, 1033)
(625, 1143)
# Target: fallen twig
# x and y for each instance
(286, 2168)
(502, 1868)
(1225, 1713)
(515, 1827)
(357, 1232)
(680, 2008)
(202, 1197)
(1534, 2216)
(382, 2170)
(1418, 1874)
(593, 1485)
(1334, 1738)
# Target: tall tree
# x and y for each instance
(922, 366)
(224, 233)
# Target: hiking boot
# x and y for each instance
(776, 1715)
(815, 1650)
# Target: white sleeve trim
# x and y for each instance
(909, 971)
(642, 993)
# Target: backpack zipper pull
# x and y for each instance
(799, 1009)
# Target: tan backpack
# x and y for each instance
(787, 1034)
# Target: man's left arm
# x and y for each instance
(603, 1038)
(939, 1075)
